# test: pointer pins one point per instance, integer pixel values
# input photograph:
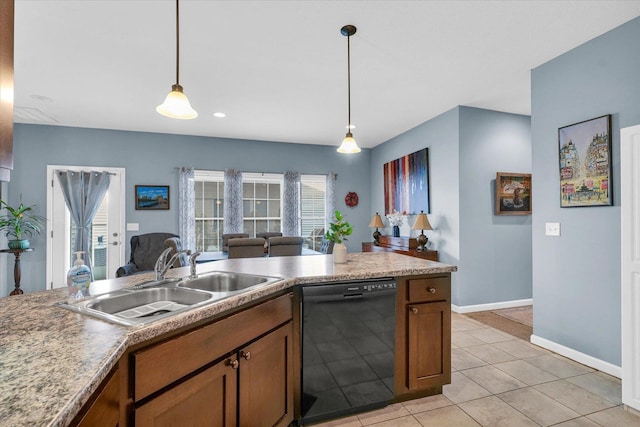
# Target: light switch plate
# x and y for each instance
(552, 229)
(133, 226)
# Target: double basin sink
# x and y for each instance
(156, 300)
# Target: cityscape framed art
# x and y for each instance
(152, 197)
(585, 163)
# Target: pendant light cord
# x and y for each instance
(177, 43)
(349, 82)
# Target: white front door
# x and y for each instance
(630, 208)
(107, 246)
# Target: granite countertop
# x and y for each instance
(52, 359)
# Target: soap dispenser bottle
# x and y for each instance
(79, 278)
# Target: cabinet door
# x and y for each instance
(105, 411)
(429, 345)
(266, 380)
(207, 399)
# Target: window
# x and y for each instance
(262, 202)
(313, 190)
(209, 206)
(262, 207)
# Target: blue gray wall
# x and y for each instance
(467, 146)
(495, 250)
(576, 277)
(152, 158)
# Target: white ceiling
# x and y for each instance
(278, 68)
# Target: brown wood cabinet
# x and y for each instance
(236, 371)
(267, 379)
(401, 245)
(104, 410)
(423, 335)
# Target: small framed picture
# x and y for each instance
(152, 197)
(513, 193)
(585, 163)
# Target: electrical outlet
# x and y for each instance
(552, 229)
(133, 226)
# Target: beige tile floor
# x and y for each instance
(500, 380)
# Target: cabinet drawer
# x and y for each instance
(430, 289)
(161, 364)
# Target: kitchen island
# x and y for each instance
(52, 360)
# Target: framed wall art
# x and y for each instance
(152, 197)
(585, 163)
(513, 193)
(406, 184)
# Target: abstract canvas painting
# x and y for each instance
(406, 184)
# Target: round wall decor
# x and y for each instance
(351, 199)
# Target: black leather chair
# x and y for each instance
(145, 250)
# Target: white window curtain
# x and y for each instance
(233, 211)
(331, 196)
(291, 204)
(83, 192)
(186, 208)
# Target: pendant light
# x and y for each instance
(348, 143)
(176, 105)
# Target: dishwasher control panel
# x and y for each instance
(379, 286)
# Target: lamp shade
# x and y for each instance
(422, 222)
(348, 145)
(176, 105)
(376, 221)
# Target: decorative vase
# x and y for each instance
(396, 231)
(339, 253)
(18, 244)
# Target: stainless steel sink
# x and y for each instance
(140, 306)
(226, 282)
(161, 299)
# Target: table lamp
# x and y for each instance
(376, 222)
(422, 223)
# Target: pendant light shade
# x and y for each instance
(176, 105)
(349, 144)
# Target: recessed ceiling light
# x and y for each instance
(219, 115)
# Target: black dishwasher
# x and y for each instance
(348, 347)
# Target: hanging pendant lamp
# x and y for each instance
(348, 143)
(176, 105)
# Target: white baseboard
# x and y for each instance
(491, 306)
(579, 357)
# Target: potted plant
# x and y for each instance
(19, 223)
(338, 231)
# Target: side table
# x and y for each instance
(16, 268)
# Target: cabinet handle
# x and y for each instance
(414, 310)
(431, 290)
(246, 355)
(232, 363)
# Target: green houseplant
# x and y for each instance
(338, 231)
(19, 223)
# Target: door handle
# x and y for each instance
(115, 243)
(245, 354)
(232, 363)
(414, 310)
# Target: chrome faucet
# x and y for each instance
(162, 265)
(192, 265)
